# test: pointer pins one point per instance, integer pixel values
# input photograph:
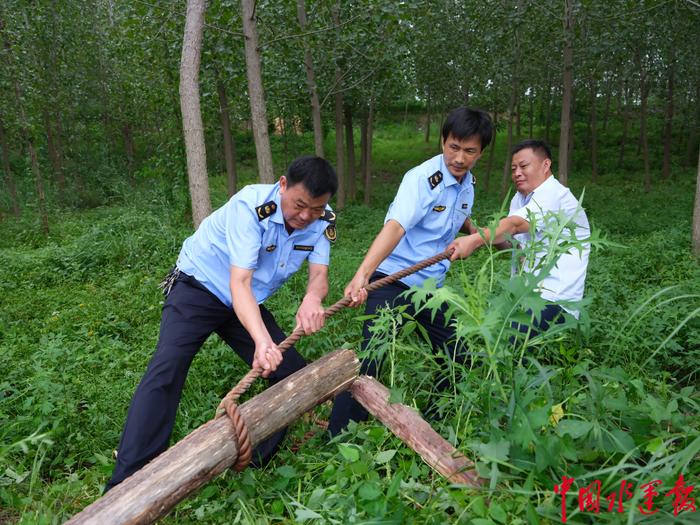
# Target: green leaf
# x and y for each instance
(306, 514)
(497, 513)
(384, 456)
(478, 505)
(369, 491)
(574, 427)
(494, 450)
(655, 445)
(286, 471)
(349, 452)
(396, 395)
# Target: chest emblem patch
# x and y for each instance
(439, 208)
(304, 247)
(271, 248)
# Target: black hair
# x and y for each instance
(317, 175)
(538, 146)
(463, 123)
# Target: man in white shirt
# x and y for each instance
(540, 198)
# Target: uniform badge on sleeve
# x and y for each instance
(465, 206)
(265, 210)
(435, 179)
(330, 233)
(439, 208)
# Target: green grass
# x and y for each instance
(79, 320)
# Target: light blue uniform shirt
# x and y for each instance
(431, 206)
(243, 234)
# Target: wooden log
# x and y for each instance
(182, 469)
(413, 430)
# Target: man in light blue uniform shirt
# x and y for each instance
(433, 203)
(239, 256)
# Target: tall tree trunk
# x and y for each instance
(518, 134)
(7, 169)
(363, 146)
(256, 93)
(548, 118)
(311, 82)
(568, 88)
(339, 139)
(428, 119)
(692, 136)
(511, 117)
(644, 93)
(129, 149)
(350, 142)
(55, 155)
(594, 134)
(285, 139)
(191, 113)
(668, 125)
(439, 135)
(506, 162)
(624, 101)
(38, 178)
(572, 110)
(368, 152)
(229, 144)
(27, 134)
(39, 185)
(531, 112)
(608, 97)
(492, 148)
(696, 213)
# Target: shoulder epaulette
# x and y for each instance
(330, 233)
(435, 179)
(265, 210)
(473, 180)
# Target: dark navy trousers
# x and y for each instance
(191, 313)
(442, 338)
(552, 314)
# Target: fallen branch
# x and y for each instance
(413, 430)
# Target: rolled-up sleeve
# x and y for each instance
(322, 251)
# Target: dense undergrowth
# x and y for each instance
(612, 399)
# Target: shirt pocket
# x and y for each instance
(297, 255)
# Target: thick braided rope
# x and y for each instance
(228, 404)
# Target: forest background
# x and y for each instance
(97, 108)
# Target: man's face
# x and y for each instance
(299, 208)
(529, 170)
(461, 155)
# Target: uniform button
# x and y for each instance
(281, 265)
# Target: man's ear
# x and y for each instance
(283, 184)
(547, 164)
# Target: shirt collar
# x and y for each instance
(277, 199)
(447, 178)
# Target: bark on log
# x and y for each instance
(413, 430)
(181, 470)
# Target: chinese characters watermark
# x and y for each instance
(589, 496)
